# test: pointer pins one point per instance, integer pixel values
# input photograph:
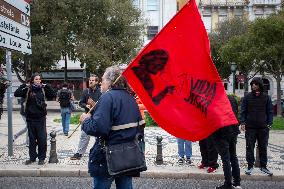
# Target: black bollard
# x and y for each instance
(53, 154)
(159, 157)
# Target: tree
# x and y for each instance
(224, 32)
(240, 49)
(111, 33)
(268, 36)
(98, 33)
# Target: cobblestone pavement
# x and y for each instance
(66, 147)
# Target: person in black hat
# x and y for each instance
(256, 121)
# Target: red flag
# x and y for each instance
(177, 82)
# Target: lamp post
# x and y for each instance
(233, 70)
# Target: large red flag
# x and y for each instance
(177, 82)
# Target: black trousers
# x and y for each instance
(261, 136)
(208, 152)
(226, 148)
(37, 137)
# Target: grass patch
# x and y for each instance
(57, 120)
(278, 123)
(73, 120)
(149, 120)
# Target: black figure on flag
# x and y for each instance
(150, 64)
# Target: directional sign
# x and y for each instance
(13, 13)
(22, 5)
(15, 43)
(15, 25)
(13, 28)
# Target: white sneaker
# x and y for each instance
(237, 187)
(249, 171)
(266, 171)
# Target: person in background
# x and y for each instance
(4, 83)
(115, 108)
(65, 97)
(89, 98)
(256, 121)
(35, 94)
(209, 155)
(184, 149)
(225, 141)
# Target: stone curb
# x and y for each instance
(46, 172)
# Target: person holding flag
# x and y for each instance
(115, 120)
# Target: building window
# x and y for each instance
(207, 22)
(152, 5)
(259, 16)
(152, 31)
(135, 3)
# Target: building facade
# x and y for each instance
(156, 13)
(215, 11)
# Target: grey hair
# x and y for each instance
(114, 77)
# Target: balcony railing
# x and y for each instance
(265, 2)
(223, 2)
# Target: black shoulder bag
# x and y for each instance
(126, 157)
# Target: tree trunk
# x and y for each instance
(65, 69)
(245, 84)
(279, 107)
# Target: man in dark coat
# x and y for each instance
(225, 141)
(116, 119)
(89, 98)
(256, 121)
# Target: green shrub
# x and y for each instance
(73, 120)
(149, 120)
(278, 123)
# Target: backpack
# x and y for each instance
(64, 98)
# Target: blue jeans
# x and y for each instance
(65, 115)
(184, 148)
(121, 182)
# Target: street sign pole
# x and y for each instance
(9, 102)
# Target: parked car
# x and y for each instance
(274, 103)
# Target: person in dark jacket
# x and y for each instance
(256, 121)
(65, 98)
(4, 83)
(35, 111)
(89, 98)
(115, 108)
(209, 155)
(225, 141)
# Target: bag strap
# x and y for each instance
(43, 94)
(26, 99)
(128, 125)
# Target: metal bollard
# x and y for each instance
(53, 154)
(159, 157)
